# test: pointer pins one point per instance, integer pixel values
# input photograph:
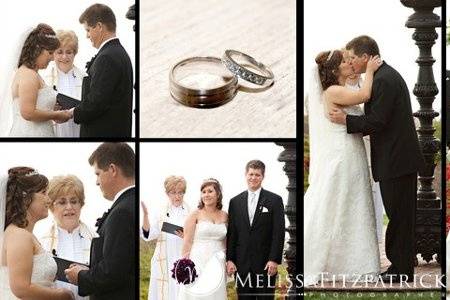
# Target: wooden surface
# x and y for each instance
(177, 29)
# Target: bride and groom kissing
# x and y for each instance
(31, 107)
(340, 233)
(27, 271)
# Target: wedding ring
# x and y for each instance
(247, 68)
(202, 82)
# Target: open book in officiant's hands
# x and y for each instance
(171, 228)
(64, 264)
(66, 102)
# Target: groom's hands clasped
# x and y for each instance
(271, 267)
(231, 268)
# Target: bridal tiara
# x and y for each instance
(50, 36)
(32, 173)
(330, 55)
(210, 180)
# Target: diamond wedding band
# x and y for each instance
(248, 69)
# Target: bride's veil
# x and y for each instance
(316, 121)
(8, 67)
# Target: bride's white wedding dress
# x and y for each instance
(340, 237)
(43, 274)
(46, 100)
(208, 254)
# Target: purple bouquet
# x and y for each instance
(184, 271)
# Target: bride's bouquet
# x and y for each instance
(184, 271)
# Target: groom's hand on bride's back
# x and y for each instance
(337, 116)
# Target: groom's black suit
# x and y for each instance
(107, 94)
(112, 264)
(251, 246)
(396, 158)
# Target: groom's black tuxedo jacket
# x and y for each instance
(112, 267)
(107, 94)
(250, 247)
(394, 146)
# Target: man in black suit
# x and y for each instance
(111, 275)
(107, 92)
(255, 236)
(395, 154)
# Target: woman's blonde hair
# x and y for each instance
(68, 38)
(63, 185)
(172, 182)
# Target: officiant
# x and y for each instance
(168, 246)
(65, 77)
(68, 237)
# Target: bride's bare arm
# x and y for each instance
(344, 96)
(19, 260)
(189, 230)
(28, 89)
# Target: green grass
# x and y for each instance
(146, 253)
(374, 295)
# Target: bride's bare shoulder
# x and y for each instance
(27, 74)
(14, 232)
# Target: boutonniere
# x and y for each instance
(89, 63)
(100, 221)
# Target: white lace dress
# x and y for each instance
(340, 237)
(46, 100)
(43, 274)
(208, 254)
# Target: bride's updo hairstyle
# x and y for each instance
(23, 182)
(328, 63)
(216, 185)
(43, 37)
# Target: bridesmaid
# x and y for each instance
(168, 246)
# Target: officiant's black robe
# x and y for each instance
(107, 94)
(113, 261)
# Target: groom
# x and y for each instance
(255, 236)
(395, 154)
(107, 93)
(111, 275)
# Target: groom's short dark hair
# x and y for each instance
(120, 154)
(363, 44)
(256, 164)
(99, 13)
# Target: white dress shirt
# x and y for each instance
(122, 191)
(103, 44)
(252, 201)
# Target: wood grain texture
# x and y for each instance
(177, 29)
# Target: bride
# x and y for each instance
(26, 270)
(29, 110)
(340, 233)
(204, 243)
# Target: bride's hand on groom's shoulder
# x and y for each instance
(374, 63)
(65, 294)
